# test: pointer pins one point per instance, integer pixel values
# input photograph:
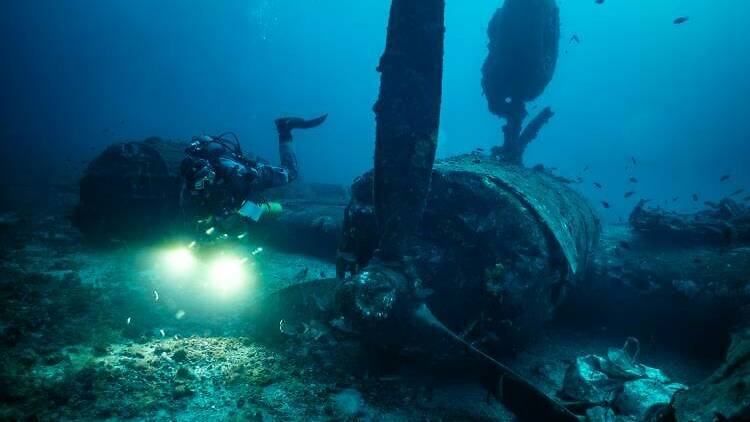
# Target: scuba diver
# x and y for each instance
(221, 185)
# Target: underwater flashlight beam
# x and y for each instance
(179, 261)
(227, 275)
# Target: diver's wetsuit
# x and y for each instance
(218, 178)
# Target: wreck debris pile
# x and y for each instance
(724, 223)
(128, 192)
(616, 385)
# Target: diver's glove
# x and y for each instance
(285, 125)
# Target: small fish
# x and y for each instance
(695, 197)
(681, 19)
(479, 149)
(633, 180)
(747, 198)
(180, 314)
(675, 198)
(605, 204)
(598, 185)
(476, 161)
(586, 168)
(633, 160)
(599, 1)
(625, 245)
(628, 194)
(156, 296)
(737, 192)
(129, 319)
(725, 177)
(163, 334)
(575, 39)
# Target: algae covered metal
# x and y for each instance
(498, 247)
(563, 211)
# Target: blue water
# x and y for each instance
(78, 75)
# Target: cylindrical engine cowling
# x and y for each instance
(497, 248)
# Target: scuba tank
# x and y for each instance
(256, 212)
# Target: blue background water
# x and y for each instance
(80, 74)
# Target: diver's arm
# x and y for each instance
(271, 176)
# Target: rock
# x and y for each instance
(348, 403)
(643, 398)
(54, 358)
(158, 350)
(183, 373)
(725, 395)
(28, 358)
(600, 414)
(100, 350)
(688, 288)
(11, 335)
(181, 391)
(180, 356)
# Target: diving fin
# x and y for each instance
(286, 124)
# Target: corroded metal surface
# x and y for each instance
(497, 250)
(564, 212)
